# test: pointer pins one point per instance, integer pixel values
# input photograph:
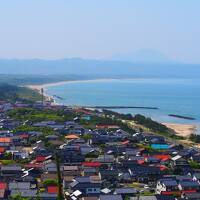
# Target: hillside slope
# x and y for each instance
(14, 93)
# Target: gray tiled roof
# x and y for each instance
(110, 197)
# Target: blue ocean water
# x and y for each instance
(171, 96)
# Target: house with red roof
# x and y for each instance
(52, 189)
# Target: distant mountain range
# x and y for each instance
(143, 56)
(103, 68)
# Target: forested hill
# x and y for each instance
(15, 93)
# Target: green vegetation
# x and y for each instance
(194, 165)
(18, 197)
(7, 162)
(37, 115)
(155, 126)
(149, 149)
(149, 123)
(50, 182)
(15, 93)
(45, 130)
(92, 155)
(118, 115)
(87, 137)
(195, 138)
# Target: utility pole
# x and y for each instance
(60, 192)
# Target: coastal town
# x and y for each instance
(99, 100)
(51, 152)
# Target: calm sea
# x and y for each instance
(171, 96)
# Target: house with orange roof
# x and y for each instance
(5, 140)
(72, 137)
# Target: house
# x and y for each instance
(71, 154)
(181, 165)
(154, 139)
(145, 174)
(152, 160)
(40, 159)
(86, 149)
(105, 159)
(3, 194)
(179, 161)
(104, 138)
(66, 181)
(47, 196)
(51, 168)
(107, 127)
(126, 192)
(160, 146)
(41, 152)
(189, 186)
(71, 170)
(91, 164)
(110, 197)
(47, 176)
(90, 171)
(71, 137)
(20, 155)
(109, 175)
(132, 162)
(89, 186)
(3, 185)
(14, 185)
(162, 157)
(132, 152)
(24, 193)
(5, 140)
(124, 176)
(196, 157)
(86, 117)
(11, 171)
(51, 137)
(115, 150)
(165, 197)
(196, 177)
(52, 189)
(89, 198)
(3, 190)
(191, 196)
(167, 187)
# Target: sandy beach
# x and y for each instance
(40, 86)
(184, 130)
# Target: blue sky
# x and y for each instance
(99, 28)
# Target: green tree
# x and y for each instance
(49, 182)
(86, 137)
(19, 197)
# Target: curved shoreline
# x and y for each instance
(40, 86)
(182, 129)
